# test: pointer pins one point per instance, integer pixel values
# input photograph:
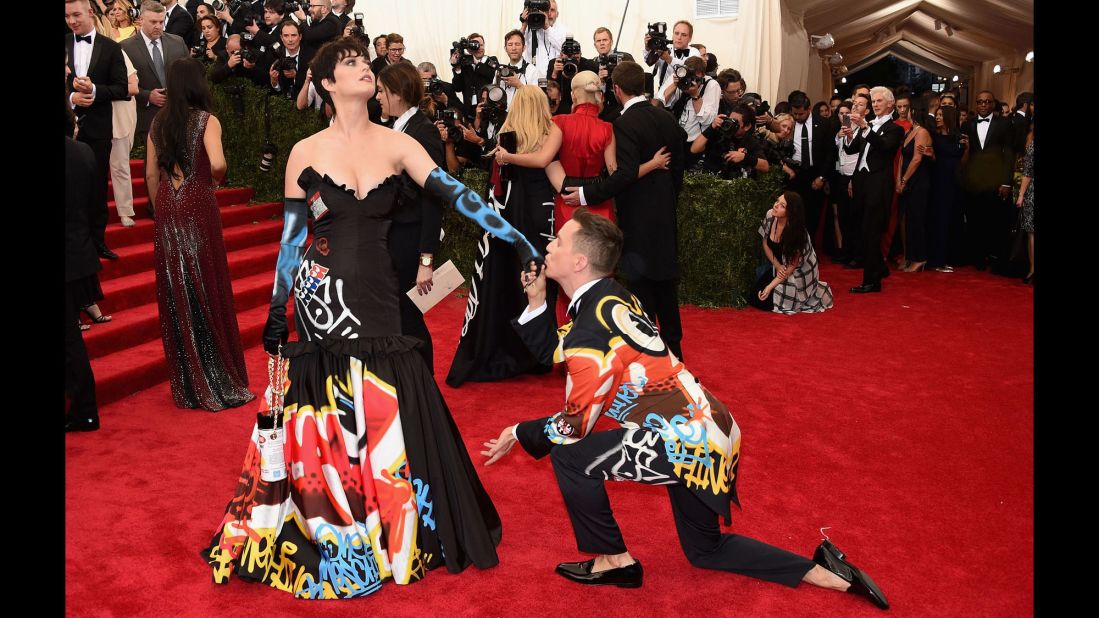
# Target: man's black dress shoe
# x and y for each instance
(628, 576)
(830, 557)
(81, 424)
(104, 252)
(866, 287)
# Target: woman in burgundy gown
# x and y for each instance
(198, 322)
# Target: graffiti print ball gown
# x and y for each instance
(379, 484)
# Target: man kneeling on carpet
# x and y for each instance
(674, 431)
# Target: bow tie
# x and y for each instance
(980, 120)
(682, 53)
(87, 38)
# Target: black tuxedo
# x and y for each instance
(415, 230)
(181, 24)
(872, 192)
(988, 217)
(107, 71)
(646, 209)
(80, 261)
(565, 83)
(822, 146)
(469, 83)
(172, 48)
(344, 20)
(321, 32)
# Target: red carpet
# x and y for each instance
(902, 420)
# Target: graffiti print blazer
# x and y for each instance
(618, 366)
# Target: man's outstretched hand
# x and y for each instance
(499, 447)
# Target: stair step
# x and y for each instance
(136, 368)
(237, 214)
(139, 259)
(137, 168)
(226, 197)
(139, 324)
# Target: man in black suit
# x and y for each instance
(986, 181)
(267, 32)
(645, 206)
(815, 153)
(470, 79)
(80, 262)
(872, 185)
(604, 48)
(289, 62)
(557, 73)
(320, 27)
(1020, 122)
(342, 9)
(152, 51)
(98, 77)
(394, 53)
(446, 97)
(235, 65)
(179, 22)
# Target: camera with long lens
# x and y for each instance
(465, 48)
(687, 78)
(433, 86)
(658, 42)
(449, 118)
(249, 54)
(285, 64)
(728, 128)
(536, 13)
(358, 30)
(756, 102)
(233, 5)
(505, 71)
(571, 47)
(495, 108)
(134, 12)
(199, 51)
(570, 69)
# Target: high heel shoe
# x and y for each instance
(830, 557)
(915, 267)
(98, 319)
(1029, 278)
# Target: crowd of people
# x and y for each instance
(884, 174)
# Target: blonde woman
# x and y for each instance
(489, 348)
(122, 27)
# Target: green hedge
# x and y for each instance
(718, 245)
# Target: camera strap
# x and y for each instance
(681, 102)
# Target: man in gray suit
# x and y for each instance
(152, 52)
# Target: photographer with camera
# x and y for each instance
(730, 147)
(695, 102)
(542, 35)
(238, 62)
(238, 14)
(342, 10)
(566, 67)
(265, 34)
(517, 72)
(733, 87)
(663, 54)
(319, 27)
(441, 93)
(607, 59)
(287, 70)
(211, 46)
(472, 70)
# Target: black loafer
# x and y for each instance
(81, 424)
(628, 576)
(830, 557)
(866, 287)
(104, 252)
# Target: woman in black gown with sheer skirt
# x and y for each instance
(378, 484)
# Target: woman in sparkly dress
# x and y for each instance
(198, 322)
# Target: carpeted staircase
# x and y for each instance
(127, 354)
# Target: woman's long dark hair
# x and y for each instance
(918, 113)
(794, 236)
(950, 120)
(187, 90)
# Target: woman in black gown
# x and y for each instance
(944, 216)
(377, 483)
(198, 320)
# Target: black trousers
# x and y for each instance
(988, 219)
(404, 251)
(583, 467)
(814, 207)
(79, 380)
(660, 300)
(873, 195)
(97, 213)
(850, 224)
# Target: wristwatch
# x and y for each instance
(426, 260)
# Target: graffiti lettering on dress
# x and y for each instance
(624, 400)
(326, 309)
(280, 571)
(427, 507)
(346, 566)
(681, 435)
(637, 455)
(714, 478)
(308, 288)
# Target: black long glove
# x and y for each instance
(473, 206)
(292, 248)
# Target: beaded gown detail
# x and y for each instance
(379, 483)
(198, 320)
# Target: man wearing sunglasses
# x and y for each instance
(986, 181)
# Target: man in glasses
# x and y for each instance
(320, 27)
(986, 181)
(733, 87)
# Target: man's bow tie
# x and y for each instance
(682, 53)
(87, 38)
(980, 120)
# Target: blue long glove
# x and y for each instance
(473, 206)
(292, 248)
